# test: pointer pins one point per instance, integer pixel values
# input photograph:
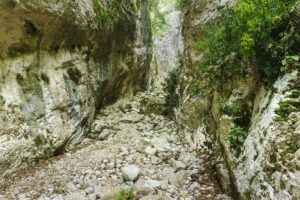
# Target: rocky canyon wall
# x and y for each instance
(267, 164)
(168, 42)
(59, 62)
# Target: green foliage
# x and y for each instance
(100, 10)
(43, 147)
(135, 6)
(181, 3)
(257, 33)
(172, 98)
(286, 108)
(292, 103)
(194, 89)
(236, 136)
(124, 194)
(158, 21)
(288, 62)
(230, 109)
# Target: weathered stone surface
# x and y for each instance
(131, 172)
(155, 197)
(178, 178)
(168, 45)
(59, 62)
(267, 165)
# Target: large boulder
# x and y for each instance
(59, 62)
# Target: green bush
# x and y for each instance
(236, 136)
(181, 3)
(172, 98)
(43, 148)
(230, 109)
(101, 12)
(286, 108)
(257, 33)
(124, 194)
(194, 89)
(288, 62)
(158, 21)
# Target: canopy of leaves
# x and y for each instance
(256, 33)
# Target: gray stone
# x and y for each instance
(42, 197)
(179, 178)
(70, 187)
(155, 197)
(188, 158)
(124, 151)
(155, 160)
(131, 172)
(56, 197)
(153, 183)
(24, 197)
(194, 186)
(108, 193)
(150, 151)
(177, 165)
(160, 142)
(99, 126)
(89, 190)
(167, 172)
(75, 196)
(106, 133)
(144, 190)
(110, 166)
(92, 197)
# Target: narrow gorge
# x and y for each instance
(149, 99)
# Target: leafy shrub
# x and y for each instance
(257, 33)
(125, 194)
(101, 12)
(181, 3)
(286, 108)
(43, 148)
(135, 6)
(158, 21)
(172, 98)
(292, 103)
(288, 62)
(195, 89)
(236, 136)
(230, 109)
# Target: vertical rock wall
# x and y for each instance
(59, 62)
(167, 44)
(267, 165)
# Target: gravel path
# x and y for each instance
(133, 147)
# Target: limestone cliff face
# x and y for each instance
(167, 45)
(59, 62)
(267, 165)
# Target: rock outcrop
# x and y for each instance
(266, 166)
(59, 62)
